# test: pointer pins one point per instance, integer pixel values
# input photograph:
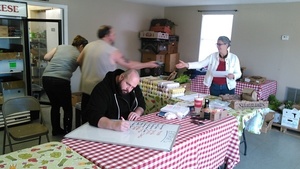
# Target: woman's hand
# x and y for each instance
(230, 76)
(182, 64)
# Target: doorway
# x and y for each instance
(45, 31)
(44, 34)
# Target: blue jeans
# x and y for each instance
(217, 90)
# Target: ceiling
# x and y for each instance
(173, 3)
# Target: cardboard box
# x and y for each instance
(290, 118)
(249, 94)
(241, 105)
(268, 121)
(11, 55)
(277, 117)
(155, 35)
(76, 97)
(3, 31)
(170, 61)
(230, 97)
(218, 114)
(255, 79)
(166, 29)
(150, 56)
(173, 47)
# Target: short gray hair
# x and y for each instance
(225, 40)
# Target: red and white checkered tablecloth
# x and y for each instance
(263, 90)
(206, 146)
(198, 86)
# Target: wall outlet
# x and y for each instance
(285, 37)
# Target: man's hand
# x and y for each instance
(118, 125)
(121, 125)
(181, 65)
(133, 116)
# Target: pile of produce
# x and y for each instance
(274, 103)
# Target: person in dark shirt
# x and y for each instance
(116, 98)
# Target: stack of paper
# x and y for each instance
(176, 109)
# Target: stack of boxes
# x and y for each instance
(160, 44)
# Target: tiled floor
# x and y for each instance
(272, 150)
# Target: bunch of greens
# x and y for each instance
(182, 79)
(274, 103)
(288, 104)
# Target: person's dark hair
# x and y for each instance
(225, 40)
(79, 40)
(103, 31)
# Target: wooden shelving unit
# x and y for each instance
(284, 128)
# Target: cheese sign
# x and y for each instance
(18, 9)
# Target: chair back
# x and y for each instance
(20, 104)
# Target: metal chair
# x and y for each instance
(25, 132)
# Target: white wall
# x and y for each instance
(256, 39)
(128, 19)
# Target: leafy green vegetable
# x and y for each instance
(182, 79)
(274, 103)
(288, 104)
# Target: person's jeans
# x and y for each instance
(217, 90)
(60, 95)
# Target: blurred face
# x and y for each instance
(222, 47)
(111, 36)
(126, 85)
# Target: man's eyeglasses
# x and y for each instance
(220, 44)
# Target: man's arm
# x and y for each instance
(141, 105)
(98, 106)
(121, 60)
(118, 125)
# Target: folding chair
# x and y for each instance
(25, 132)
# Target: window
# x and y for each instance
(213, 26)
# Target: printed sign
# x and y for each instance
(13, 9)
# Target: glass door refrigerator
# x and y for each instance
(14, 54)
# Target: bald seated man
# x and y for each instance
(116, 99)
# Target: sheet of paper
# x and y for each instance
(220, 73)
(191, 97)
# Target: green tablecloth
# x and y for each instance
(154, 102)
(45, 156)
(250, 119)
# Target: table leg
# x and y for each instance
(244, 141)
(77, 117)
